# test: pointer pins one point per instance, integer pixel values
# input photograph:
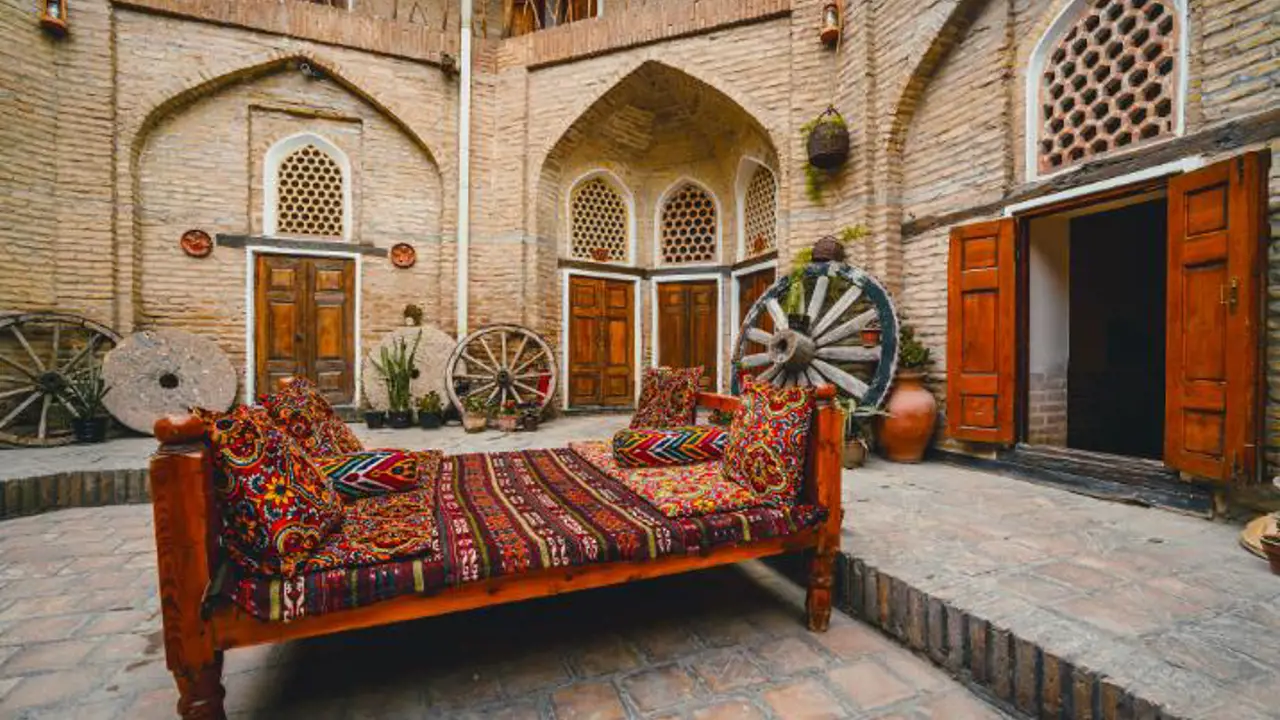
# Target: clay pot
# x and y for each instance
(905, 434)
(855, 454)
(508, 423)
(1271, 546)
(870, 337)
(474, 423)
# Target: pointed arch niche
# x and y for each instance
(307, 188)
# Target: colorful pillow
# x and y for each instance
(668, 398)
(768, 440)
(276, 504)
(378, 472)
(677, 492)
(381, 529)
(672, 446)
(300, 409)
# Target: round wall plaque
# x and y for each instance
(196, 243)
(403, 255)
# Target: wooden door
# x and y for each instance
(601, 342)
(687, 327)
(1216, 227)
(305, 323)
(982, 332)
(751, 288)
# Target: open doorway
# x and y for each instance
(1096, 290)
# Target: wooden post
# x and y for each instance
(186, 545)
(828, 428)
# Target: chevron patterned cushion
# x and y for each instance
(672, 446)
(377, 472)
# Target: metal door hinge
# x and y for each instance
(1229, 294)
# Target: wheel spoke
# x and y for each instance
(526, 387)
(35, 395)
(30, 375)
(53, 357)
(849, 353)
(22, 340)
(849, 298)
(481, 389)
(473, 376)
(533, 359)
(819, 297)
(770, 374)
(44, 416)
(467, 356)
(756, 335)
(504, 349)
(850, 384)
(63, 402)
(19, 391)
(524, 340)
(489, 400)
(859, 322)
(516, 395)
(484, 342)
(89, 348)
(775, 310)
(756, 360)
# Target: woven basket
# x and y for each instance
(828, 143)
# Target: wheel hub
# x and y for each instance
(51, 382)
(792, 349)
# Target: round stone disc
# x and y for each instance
(431, 361)
(155, 373)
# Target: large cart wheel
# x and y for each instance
(502, 362)
(39, 354)
(824, 344)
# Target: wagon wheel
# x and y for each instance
(39, 355)
(824, 346)
(503, 362)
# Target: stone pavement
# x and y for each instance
(80, 638)
(1096, 603)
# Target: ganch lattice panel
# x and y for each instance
(1110, 83)
(599, 223)
(689, 226)
(760, 213)
(309, 194)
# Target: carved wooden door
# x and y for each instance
(687, 327)
(601, 342)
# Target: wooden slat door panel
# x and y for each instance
(332, 327)
(1212, 357)
(305, 323)
(618, 389)
(687, 327)
(982, 332)
(278, 309)
(601, 342)
(750, 289)
(673, 324)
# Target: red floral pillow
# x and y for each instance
(668, 398)
(301, 410)
(276, 505)
(768, 440)
(379, 472)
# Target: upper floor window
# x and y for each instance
(689, 228)
(600, 222)
(759, 201)
(1106, 78)
(308, 189)
(526, 16)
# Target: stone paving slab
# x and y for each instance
(80, 638)
(1167, 610)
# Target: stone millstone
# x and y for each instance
(432, 361)
(161, 372)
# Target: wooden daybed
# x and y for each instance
(198, 628)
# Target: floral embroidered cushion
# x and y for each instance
(647, 447)
(378, 472)
(768, 439)
(668, 397)
(381, 529)
(301, 410)
(276, 504)
(678, 492)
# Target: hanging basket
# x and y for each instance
(828, 142)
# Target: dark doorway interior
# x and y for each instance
(1116, 374)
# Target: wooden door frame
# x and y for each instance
(653, 306)
(735, 305)
(637, 331)
(251, 253)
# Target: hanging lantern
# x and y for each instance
(53, 16)
(830, 23)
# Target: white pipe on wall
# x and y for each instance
(464, 167)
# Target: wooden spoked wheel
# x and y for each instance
(40, 354)
(502, 362)
(824, 344)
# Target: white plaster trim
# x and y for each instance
(250, 262)
(735, 290)
(637, 332)
(657, 224)
(720, 305)
(628, 197)
(464, 171)
(271, 179)
(747, 168)
(1173, 168)
(1035, 67)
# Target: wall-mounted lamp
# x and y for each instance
(53, 16)
(449, 64)
(830, 34)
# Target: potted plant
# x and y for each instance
(430, 411)
(857, 431)
(1271, 546)
(84, 392)
(508, 416)
(475, 413)
(396, 367)
(375, 419)
(530, 416)
(827, 139)
(870, 335)
(912, 411)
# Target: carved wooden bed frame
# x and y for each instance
(196, 633)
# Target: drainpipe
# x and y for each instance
(464, 167)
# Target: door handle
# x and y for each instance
(1229, 294)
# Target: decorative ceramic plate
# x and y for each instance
(196, 243)
(403, 255)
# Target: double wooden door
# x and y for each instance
(687, 327)
(305, 323)
(750, 289)
(601, 342)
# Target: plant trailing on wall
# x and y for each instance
(396, 366)
(912, 354)
(826, 139)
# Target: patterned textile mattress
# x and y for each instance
(503, 514)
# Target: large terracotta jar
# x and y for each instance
(905, 434)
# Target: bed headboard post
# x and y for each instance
(183, 504)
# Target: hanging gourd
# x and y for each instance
(828, 141)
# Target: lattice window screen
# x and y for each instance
(760, 213)
(309, 194)
(1109, 83)
(689, 226)
(599, 223)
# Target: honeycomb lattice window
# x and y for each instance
(600, 223)
(689, 226)
(309, 194)
(1109, 83)
(760, 213)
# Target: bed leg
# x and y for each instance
(200, 691)
(818, 600)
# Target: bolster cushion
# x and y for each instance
(670, 446)
(379, 472)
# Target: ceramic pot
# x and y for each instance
(375, 419)
(905, 434)
(1271, 546)
(429, 421)
(90, 430)
(855, 454)
(399, 419)
(870, 337)
(508, 423)
(474, 423)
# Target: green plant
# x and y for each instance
(852, 233)
(430, 403)
(912, 354)
(85, 391)
(857, 418)
(508, 409)
(397, 368)
(475, 404)
(413, 313)
(815, 178)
